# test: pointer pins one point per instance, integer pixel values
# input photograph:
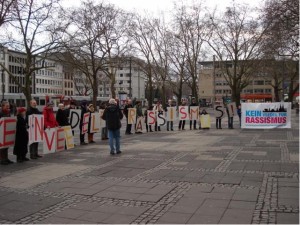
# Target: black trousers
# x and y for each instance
(33, 149)
(191, 123)
(181, 124)
(218, 123)
(170, 125)
(128, 127)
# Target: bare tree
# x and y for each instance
(237, 42)
(191, 29)
(6, 7)
(37, 35)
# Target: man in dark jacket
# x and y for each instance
(83, 111)
(61, 116)
(193, 122)
(127, 106)
(113, 116)
(33, 148)
(5, 112)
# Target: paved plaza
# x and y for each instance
(194, 176)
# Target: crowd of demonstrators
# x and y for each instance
(113, 116)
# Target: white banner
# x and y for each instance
(69, 137)
(232, 109)
(75, 116)
(131, 115)
(102, 121)
(183, 113)
(205, 121)
(219, 111)
(36, 128)
(7, 131)
(151, 117)
(171, 113)
(266, 115)
(49, 145)
(95, 124)
(194, 112)
(85, 123)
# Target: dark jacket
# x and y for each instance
(125, 110)
(32, 111)
(62, 118)
(21, 140)
(113, 115)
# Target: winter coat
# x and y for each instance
(49, 119)
(21, 139)
(32, 111)
(113, 115)
(62, 118)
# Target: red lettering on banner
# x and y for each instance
(7, 133)
(49, 145)
(60, 142)
(85, 123)
(38, 127)
(152, 116)
(183, 113)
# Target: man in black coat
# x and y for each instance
(61, 116)
(21, 139)
(33, 148)
(113, 116)
(125, 110)
(83, 111)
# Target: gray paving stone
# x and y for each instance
(191, 201)
(291, 202)
(288, 192)
(96, 217)
(88, 206)
(203, 219)
(119, 219)
(241, 205)
(13, 215)
(71, 213)
(126, 210)
(288, 218)
(174, 218)
(190, 209)
(237, 216)
(215, 203)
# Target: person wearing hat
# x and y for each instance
(5, 112)
(21, 139)
(61, 116)
(91, 110)
(113, 116)
(33, 148)
(49, 118)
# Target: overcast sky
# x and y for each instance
(154, 6)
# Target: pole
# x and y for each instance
(283, 80)
(130, 92)
(214, 81)
(3, 84)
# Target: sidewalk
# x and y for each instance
(200, 176)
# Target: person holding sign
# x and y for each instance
(113, 116)
(62, 116)
(33, 148)
(21, 140)
(148, 127)
(49, 119)
(128, 104)
(169, 123)
(193, 122)
(182, 122)
(139, 116)
(83, 111)
(157, 108)
(5, 112)
(91, 110)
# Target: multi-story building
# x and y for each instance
(213, 85)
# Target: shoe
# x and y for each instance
(20, 160)
(119, 152)
(83, 143)
(172, 130)
(9, 161)
(25, 159)
(33, 157)
(151, 130)
(112, 153)
(92, 142)
(38, 156)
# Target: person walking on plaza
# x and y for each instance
(21, 139)
(61, 116)
(193, 122)
(148, 127)
(33, 110)
(182, 122)
(103, 129)
(113, 116)
(5, 112)
(128, 105)
(83, 111)
(169, 123)
(91, 110)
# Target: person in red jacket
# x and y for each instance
(49, 118)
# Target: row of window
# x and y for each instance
(68, 84)
(21, 80)
(48, 91)
(16, 59)
(255, 82)
(14, 89)
(69, 93)
(49, 73)
(49, 82)
(223, 91)
(257, 91)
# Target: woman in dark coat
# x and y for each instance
(21, 140)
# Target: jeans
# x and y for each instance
(114, 135)
(230, 122)
(170, 124)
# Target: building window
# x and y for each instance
(121, 74)
(268, 82)
(268, 91)
(258, 82)
(258, 91)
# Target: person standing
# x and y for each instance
(157, 108)
(193, 122)
(21, 139)
(128, 105)
(139, 113)
(239, 112)
(91, 110)
(83, 111)
(230, 118)
(113, 116)
(169, 123)
(103, 129)
(33, 110)
(182, 122)
(148, 127)
(5, 112)
(61, 116)
(49, 119)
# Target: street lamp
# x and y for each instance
(3, 84)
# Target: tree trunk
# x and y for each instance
(276, 93)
